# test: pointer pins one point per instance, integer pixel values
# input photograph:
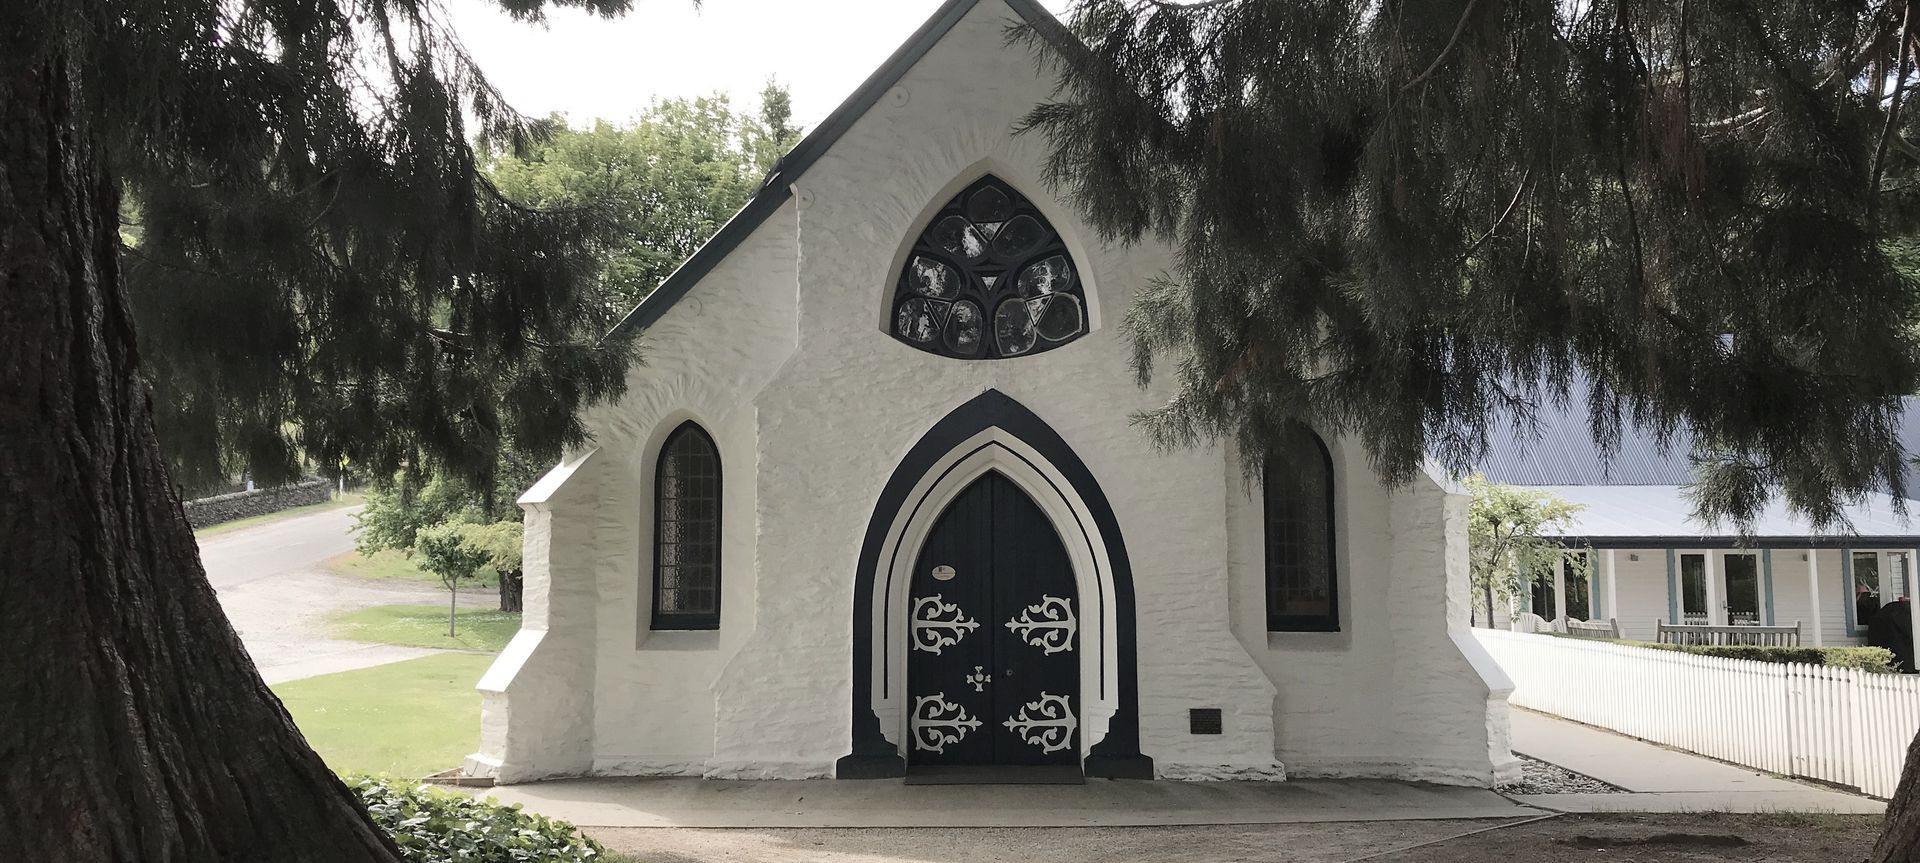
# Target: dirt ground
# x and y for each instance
(1611, 838)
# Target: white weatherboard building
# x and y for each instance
(873, 507)
(1649, 562)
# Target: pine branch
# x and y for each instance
(1459, 27)
(1525, 183)
(1197, 5)
(1893, 110)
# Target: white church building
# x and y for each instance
(873, 507)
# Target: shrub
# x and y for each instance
(1877, 660)
(433, 825)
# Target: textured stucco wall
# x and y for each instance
(537, 700)
(779, 354)
(1393, 693)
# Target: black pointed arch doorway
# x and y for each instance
(1117, 754)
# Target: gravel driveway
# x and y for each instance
(276, 591)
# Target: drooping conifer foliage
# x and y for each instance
(324, 274)
(321, 273)
(1406, 221)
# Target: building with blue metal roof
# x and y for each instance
(1651, 560)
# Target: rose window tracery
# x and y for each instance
(989, 278)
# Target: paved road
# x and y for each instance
(274, 586)
(277, 548)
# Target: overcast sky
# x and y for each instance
(588, 67)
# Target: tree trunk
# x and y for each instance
(512, 583)
(1489, 592)
(453, 607)
(1900, 834)
(133, 725)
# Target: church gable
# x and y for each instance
(778, 188)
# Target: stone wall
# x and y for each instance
(245, 504)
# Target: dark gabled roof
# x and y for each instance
(778, 186)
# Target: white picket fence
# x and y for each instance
(1838, 725)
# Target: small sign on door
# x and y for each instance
(943, 572)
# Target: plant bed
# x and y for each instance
(432, 825)
(1876, 660)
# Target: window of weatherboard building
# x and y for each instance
(989, 279)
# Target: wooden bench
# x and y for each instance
(1699, 634)
(1608, 629)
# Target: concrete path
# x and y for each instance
(888, 803)
(1662, 779)
(1213, 843)
(277, 593)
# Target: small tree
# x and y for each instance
(401, 506)
(445, 552)
(397, 511)
(500, 542)
(1509, 536)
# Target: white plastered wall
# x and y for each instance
(1402, 690)
(649, 704)
(780, 355)
(546, 671)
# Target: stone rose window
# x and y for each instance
(989, 279)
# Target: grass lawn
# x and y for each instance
(409, 719)
(390, 564)
(338, 501)
(484, 628)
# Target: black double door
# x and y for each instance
(993, 668)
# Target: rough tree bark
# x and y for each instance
(1900, 836)
(512, 585)
(133, 726)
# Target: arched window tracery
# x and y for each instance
(1302, 582)
(686, 531)
(989, 278)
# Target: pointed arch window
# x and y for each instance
(686, 532)
(989, 278)
(1302, 590)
